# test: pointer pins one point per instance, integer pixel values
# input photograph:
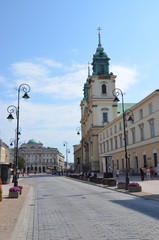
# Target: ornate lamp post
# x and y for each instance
(12, 109)
(116, 92)
(67, 151)
(84, 144)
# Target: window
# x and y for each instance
(141, 114)
(141, 132)
(150, 108)
(115, 128)
(152, 127)
(107, 146)
(120, 126)
(133, 135)
(105, 117)
(104, 147)
(144, 159)
(117, 163)
(122, 163)
(155, 159)
(100, 148)
(116, 143)
(121, 140)
(104, 89)
(111, 144)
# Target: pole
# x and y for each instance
(125, 143)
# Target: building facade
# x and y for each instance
(4, 162)
(38, 158)
(142, 138)
(97, 109)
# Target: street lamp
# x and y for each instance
(84, 143)
(116, 92)
(67, 151)
(12, 109)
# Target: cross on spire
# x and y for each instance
(99, 43)
(99, 30)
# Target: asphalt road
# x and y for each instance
(64, 209)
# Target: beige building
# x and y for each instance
(4, 162)
(97, 109)
(39, 158)
(4, 153)
(142, 137)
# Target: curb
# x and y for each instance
(146, 196)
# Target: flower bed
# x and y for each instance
(121, 185)
(15, 191)
(134, 187)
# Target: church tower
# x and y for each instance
(97, 107)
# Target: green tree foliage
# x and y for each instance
(21, 163)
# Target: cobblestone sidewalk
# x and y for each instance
(10, 210)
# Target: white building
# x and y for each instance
(39, 158)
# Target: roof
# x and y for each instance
(126, 106)
(32, 141)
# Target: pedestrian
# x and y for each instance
(117, 173)
(148, 173)
(151, 172)
(142, 174)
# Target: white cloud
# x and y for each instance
(126, 76)
(67, 85)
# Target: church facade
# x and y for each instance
(97, 110)
(103, 134)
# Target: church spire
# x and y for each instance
(100, 59)
(88, 70)
(99, 40)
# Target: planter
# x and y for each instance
(99, 180)
(111, 182)
(121, 186)
(14, 194)
(93, 179)
(134, 188)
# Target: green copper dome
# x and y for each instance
(32, 141)
(100, 60)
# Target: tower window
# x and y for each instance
(105, 117)
(104, 89)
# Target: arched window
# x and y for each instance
(104, 89)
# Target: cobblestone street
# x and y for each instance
(61, 208)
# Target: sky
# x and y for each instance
(47, 44)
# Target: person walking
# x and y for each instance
(142, 174)
(148, 173)
(117, 173)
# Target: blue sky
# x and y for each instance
(48, 43)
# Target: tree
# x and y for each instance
(21, 163)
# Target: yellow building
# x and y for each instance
(4, 163)
(142, 138)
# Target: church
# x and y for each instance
(104, 134)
